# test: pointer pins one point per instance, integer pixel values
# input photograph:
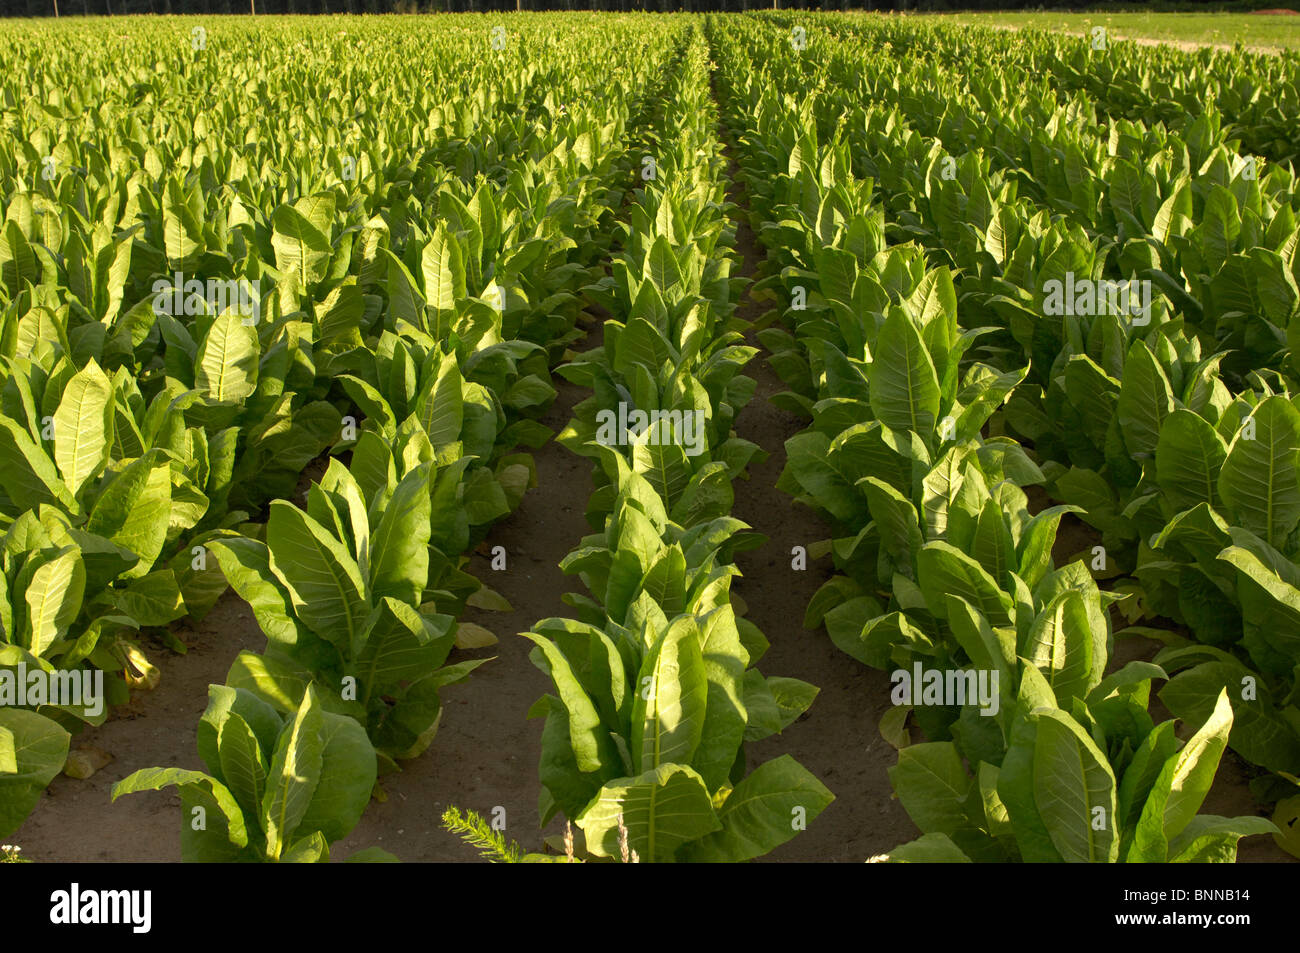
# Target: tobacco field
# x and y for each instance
(646, 438)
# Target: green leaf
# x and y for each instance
(1259, 482)
(944, 570)
(1261, 734)
(929, 849)
(1015, 784)
(671, 699)
(182, 232)
(1195, 767)
(246, 564)
(1144, 769)
(1059, 643)
(440, 405)
(312, 849)
(26, 472)
(225, 835)
(398, 644)
(347, 776)
(243, 765)
(322, 577)
(767, 808)
(904, 384)
(932, 785)
(301, 249)
(260, 716)
(83, 426)
(725, 657)
(294, 775)
(33, 750)
(443, 264)
(134, 509)
(662, 809)
(154, 599)
(53, 598)
(662, 268)
(1189, 456)
(399, 548)
(586, 735)
(1074, 790)
(227, 360)
(666, 466)
(1211, 839)
(275, 680)
(1036, 541)
(1145, 400)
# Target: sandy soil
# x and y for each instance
(836, 739)
(75, 820)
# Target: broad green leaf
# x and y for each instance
(1195, 768)
(53, 599)
(322, 577)
(398, 644)
(932, 786)
(767, 808)
(134, 508)
(347, 778)
(671, 700)
(243, 764)
(1059, 643)
(83, 426)
(294, 775)
(1145, 400)
(246, 564)
(226, 833)
(944, 570)
(27, 474)
(929, 849)
(904, 384)
(226, 367)
(1211, 839)
(662, 809)
(443, 264)
(301, 249)
(1074, 789)
(586, 735)
(399, 548)
(1189, 456)
(35, 748)
(154, 599)
(1259, 482)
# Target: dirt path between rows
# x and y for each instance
(837, 738)
(486, 752)
(484, 756)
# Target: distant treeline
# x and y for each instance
(119, 7)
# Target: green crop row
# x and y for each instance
(945, 567)
(281, 310)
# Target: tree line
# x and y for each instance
(63, 8)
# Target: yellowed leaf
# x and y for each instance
(471, 636)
